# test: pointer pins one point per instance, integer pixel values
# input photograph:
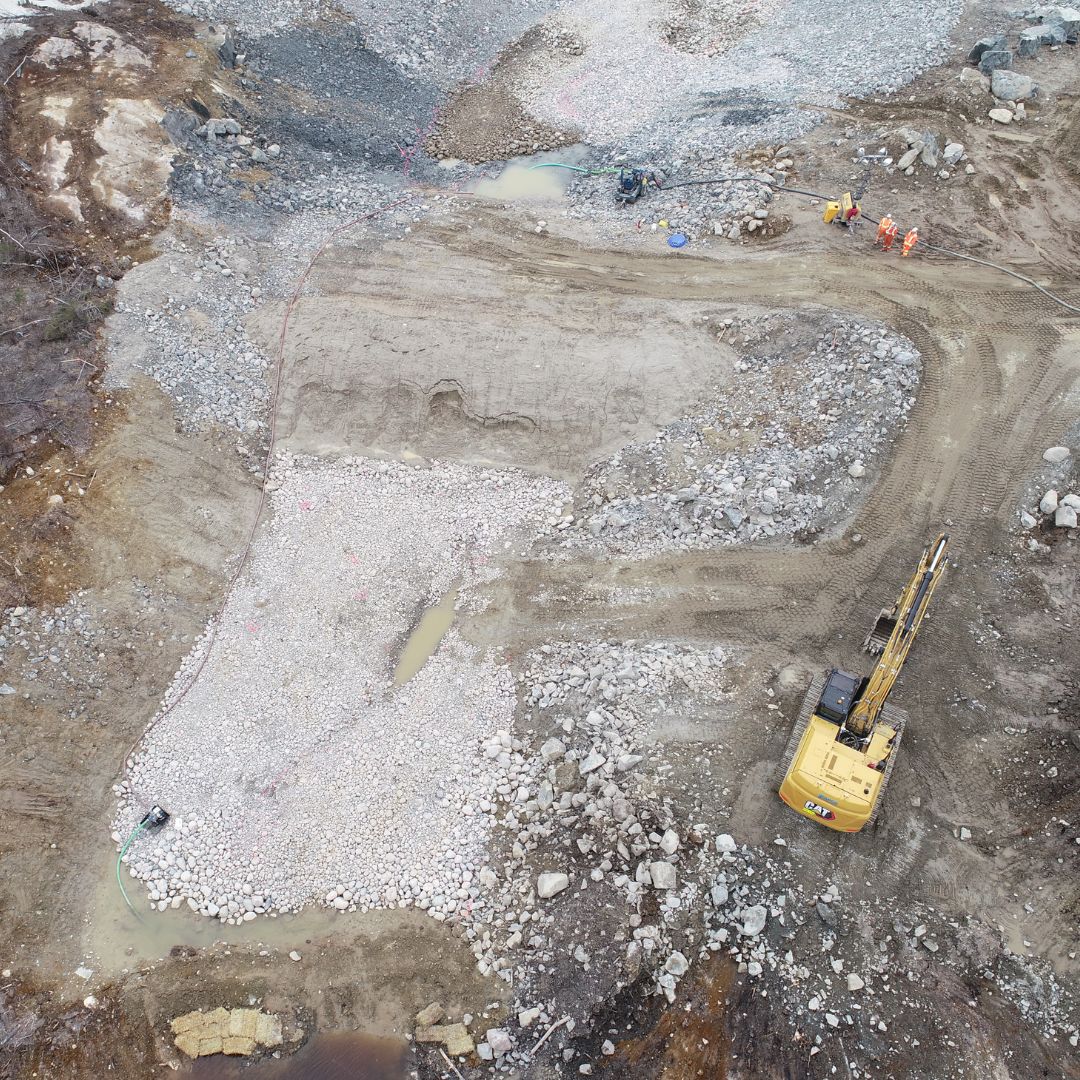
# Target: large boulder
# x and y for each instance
(908, 159)
(1012, 86)
(930, 150)
(754, 919)
(995, 59)
(1029, 41)
(1065, 18)
(551, 884)
(985, 45)
(663, 875)
(954, 152)
(1034, 37)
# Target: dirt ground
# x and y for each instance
(526, 366)
(484, 340)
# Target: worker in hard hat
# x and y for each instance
(891, 233)
(882, 229)
(911, 238)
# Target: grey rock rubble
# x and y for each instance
(181, 321)
(1054, 508)
(778, 452)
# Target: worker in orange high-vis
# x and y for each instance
(891, 233)
(882, 229)
(910, 240)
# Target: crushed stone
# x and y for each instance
(784, 450)
(295, 770)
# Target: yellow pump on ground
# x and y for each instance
(844, 211)
(841, 754)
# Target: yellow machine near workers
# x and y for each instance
(843, 749)
(844, 211)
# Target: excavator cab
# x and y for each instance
(841, 690)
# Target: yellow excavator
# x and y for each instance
(841, 754)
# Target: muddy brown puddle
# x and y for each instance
(338, 1055)
(425, 639)
(117, 938)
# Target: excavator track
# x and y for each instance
(813, 696)
(897, 720)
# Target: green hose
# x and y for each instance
(120, 858)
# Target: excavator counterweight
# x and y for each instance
(841, 754)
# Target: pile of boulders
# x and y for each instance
(1054, 25)
(994, 56)
(1062, 509)
(231, 134)
(926, 148)
(782, 450)
(574, 805)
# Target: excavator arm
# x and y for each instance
(910, 609)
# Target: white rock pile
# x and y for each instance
(571, 804)
(295, 770)
(180, 320)
(707, 77)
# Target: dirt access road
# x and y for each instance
(992, 343)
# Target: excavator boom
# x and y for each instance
(910, 609)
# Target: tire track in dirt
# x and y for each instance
(984, 410)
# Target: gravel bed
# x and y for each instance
(295, 770)
(56, 642)
(254, 20)
(784, 450)
(738, 78)
(448, 41)
(180, 319)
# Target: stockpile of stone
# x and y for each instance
(784, 449)
(296, 770)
